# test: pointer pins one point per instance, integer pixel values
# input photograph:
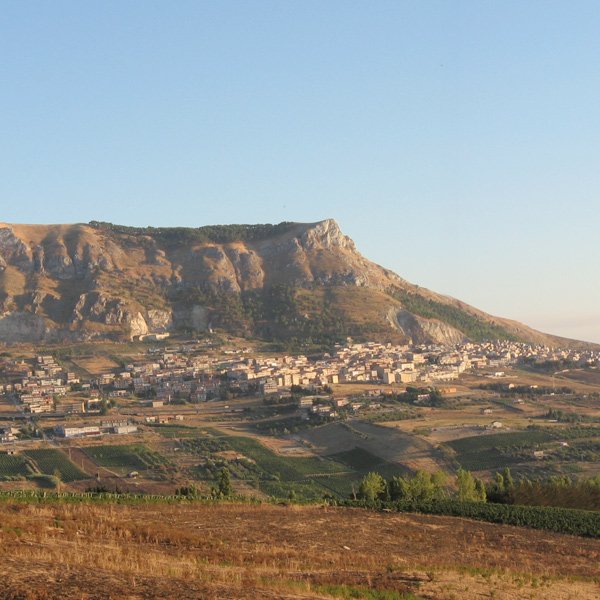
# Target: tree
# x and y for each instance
(469, 488)
(372, 487)
(224, 486)
(508, 479)
(480, 490)
(423, 487)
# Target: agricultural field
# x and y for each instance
(308, 477)
(174, 431)
(363, 461)
(285, 468)
(126, 458)
(490, 452)
(50, 461)
(405, 451)
(248, 460)
(14, 465)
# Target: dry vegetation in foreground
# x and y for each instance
(266, 551)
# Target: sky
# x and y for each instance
(457, 142)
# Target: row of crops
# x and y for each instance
(126, 457)
(561, 520)
(45, 461)
(55, 462)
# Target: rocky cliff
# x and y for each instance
(98, 280)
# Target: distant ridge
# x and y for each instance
(289, 281)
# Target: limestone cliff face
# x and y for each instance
(420, 330)
(100, 280)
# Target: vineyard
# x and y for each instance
(169, 430)
(14, 466)
(50, 462)
(128, 457)
(561, 520)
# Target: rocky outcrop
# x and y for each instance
(420, 330)
(326, 234)
(159, 321)
(95, 306)
(14, 251)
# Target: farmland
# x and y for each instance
(127, 457)
(405, 451)
(275, 475)
(488, 452)
(50, 462)
(12, 466)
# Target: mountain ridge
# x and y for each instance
(289, 280)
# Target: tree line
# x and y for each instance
(556, 491)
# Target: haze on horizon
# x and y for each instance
(456, 143)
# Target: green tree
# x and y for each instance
(469, 488)
(57, 475)
(508, 479)
(224, 486)
(423, 487)
(480, 490)
(372, 487)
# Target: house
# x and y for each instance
(269, 386)
(8, 435)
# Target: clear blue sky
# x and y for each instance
(458, 142)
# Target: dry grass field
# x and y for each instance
(96, 365)
(85, 551)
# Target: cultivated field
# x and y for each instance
(407, 452)
(90, 551)
(56, 462)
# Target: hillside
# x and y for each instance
(281, 282)
(263, 551)
(51, 550)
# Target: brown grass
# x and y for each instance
(247, 551)
(96, 365)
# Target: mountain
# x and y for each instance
(286, 281)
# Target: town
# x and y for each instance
(180, 377)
